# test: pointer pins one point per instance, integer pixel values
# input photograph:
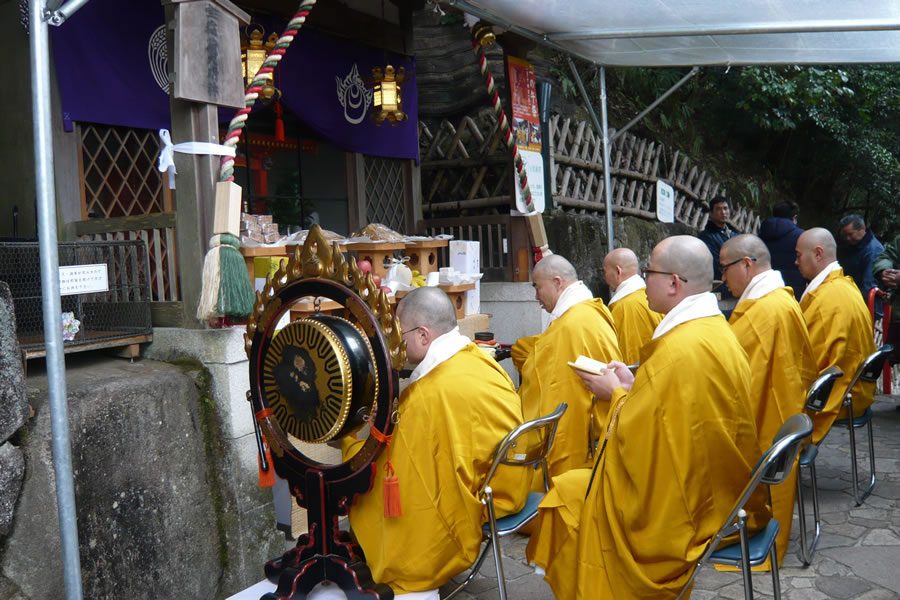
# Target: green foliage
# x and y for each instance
(825, 136)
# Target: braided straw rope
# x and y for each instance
(226, 169)
(504, 123)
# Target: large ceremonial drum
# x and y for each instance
(319, 378)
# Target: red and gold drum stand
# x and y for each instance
(316, 380)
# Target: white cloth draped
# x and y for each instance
(572, 295)
(629, 286)
(818, 279)
(442, 348)
(762, 284)
(693, 307)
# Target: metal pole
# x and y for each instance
(58, 17)
(603, 128)
(656, 103)
(50, 300)
(607, 186)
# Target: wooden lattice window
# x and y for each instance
(119, 177)
(119, 182)
(385, 192)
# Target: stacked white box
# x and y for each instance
(465, 257)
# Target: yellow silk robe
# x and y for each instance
(678, 458)
(635, 324)
(772, 332)
(451, 422)
(586, 328)
(840, 329)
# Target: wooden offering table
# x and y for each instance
(423, 255)
(250, 254)
(376, 253)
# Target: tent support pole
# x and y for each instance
(50, 299)
(603, 128)
(656, 103)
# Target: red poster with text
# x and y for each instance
(523, 88)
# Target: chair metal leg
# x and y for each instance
(746, 571)
(495, 542)
(808, 550)
(854, 475)
(776, 581)
(861, 497)
(472, 572)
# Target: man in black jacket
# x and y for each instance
(780, 234)
(716, 233)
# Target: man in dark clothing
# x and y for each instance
(858, 253)
(887, 270)
(780, 232)
(716, 233)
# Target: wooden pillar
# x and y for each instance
(356, 191)
(204, 71)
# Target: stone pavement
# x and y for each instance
(858, 555)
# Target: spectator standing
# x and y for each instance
(887, 271)
(858, 252)
(716, 233)
(780, 233)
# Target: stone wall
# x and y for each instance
(167, 499)
(13, 411)
(582, 240)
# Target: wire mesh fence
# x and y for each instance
(121, 311)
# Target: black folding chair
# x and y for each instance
(514, 451)
(773, 468)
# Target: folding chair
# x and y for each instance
(869, 370)
(773, 468)
(510, 452)
(816, 398)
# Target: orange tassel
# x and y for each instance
(392, 507)
(266, 478)
(391, 483)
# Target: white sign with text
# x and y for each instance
(534, 168)
(83, 279)
(665, 202)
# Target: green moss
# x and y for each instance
(214, 448)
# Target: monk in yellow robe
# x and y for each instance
(580, 325)
(839, 324)
(769, 325)
(634, 320)
(454, 413)
(679, 449)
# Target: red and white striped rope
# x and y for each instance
(507, 133)
(237, 124)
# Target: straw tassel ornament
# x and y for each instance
(226, 289)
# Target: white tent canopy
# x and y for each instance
(660, 33)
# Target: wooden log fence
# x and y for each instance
(465, 169)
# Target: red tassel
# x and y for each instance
(279, 122)
(266, 478)
(392, 507)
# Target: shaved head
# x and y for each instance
(555, 266)
(429, 307)
(819, 237)
(747, 244)
(816, 249)
(619, 265)
(687, 256)
(550, 278)
(624, 258)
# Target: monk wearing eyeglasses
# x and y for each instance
(769, 325)
(679, 449)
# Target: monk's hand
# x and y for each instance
(601, 386)
(626, 377)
